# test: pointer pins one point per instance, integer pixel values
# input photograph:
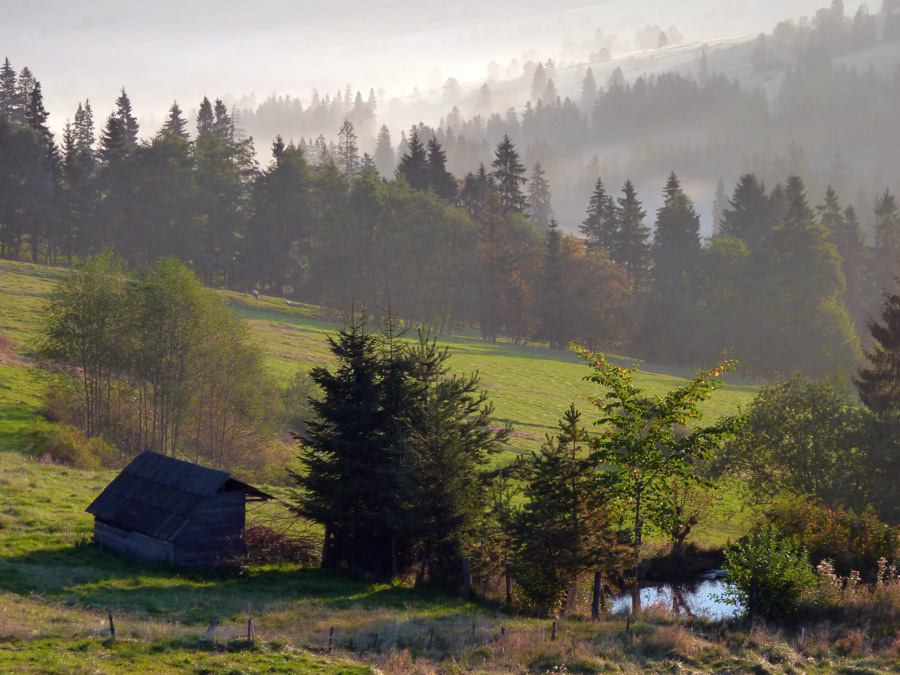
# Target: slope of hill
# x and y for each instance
(529, 385)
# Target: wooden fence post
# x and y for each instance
(112, 625)
(330, 638)
(553, 633)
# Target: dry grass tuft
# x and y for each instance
(851, 644)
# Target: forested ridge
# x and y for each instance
(785, 283)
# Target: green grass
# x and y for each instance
(55, 587)
(529, 385)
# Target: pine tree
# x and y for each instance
(601, 224)
(509, 176)
(414, 163)
(631, 247)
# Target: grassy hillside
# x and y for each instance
(56, 591)
(529, 385)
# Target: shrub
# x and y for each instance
(768, 569)
(66, 444)
(265, 545)
(849, 540)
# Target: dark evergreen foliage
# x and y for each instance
(878, 383)
(509, 177)
(631, 246)
(393, 456)
(414, 163)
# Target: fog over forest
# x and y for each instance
(166, 49)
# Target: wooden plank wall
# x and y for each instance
(132, 544)
(215, 530)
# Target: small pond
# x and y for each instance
(702, 598)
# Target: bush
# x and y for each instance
(66, 444)
(850, 541)
(265, 545)
(771, 569)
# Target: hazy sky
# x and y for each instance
(172, 49)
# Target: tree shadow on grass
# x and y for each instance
(83, 575)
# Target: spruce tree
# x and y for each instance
(566, 527)
(24, 87)
(588, 91)
(36, 115)
(449, 441)
(631, 247)
(878, 383)
(175, 125)
(8, 81)
(384, 152)
(670, 324)
(509, 176)
(802, 284)
(205, 117)
(84, 128)
(720, 203)
(223, 123)
(348, 151)
(601, 224)
(539, 197)
(440, 180)
(886, 254)
(843, 231)
(748, 216)
(349, 482)
(414, 163)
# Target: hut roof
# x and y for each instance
(155, 494)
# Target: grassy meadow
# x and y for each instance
(57, 590)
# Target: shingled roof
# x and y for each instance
(155, 494)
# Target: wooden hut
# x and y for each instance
(162, 509)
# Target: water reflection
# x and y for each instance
(701, 599)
